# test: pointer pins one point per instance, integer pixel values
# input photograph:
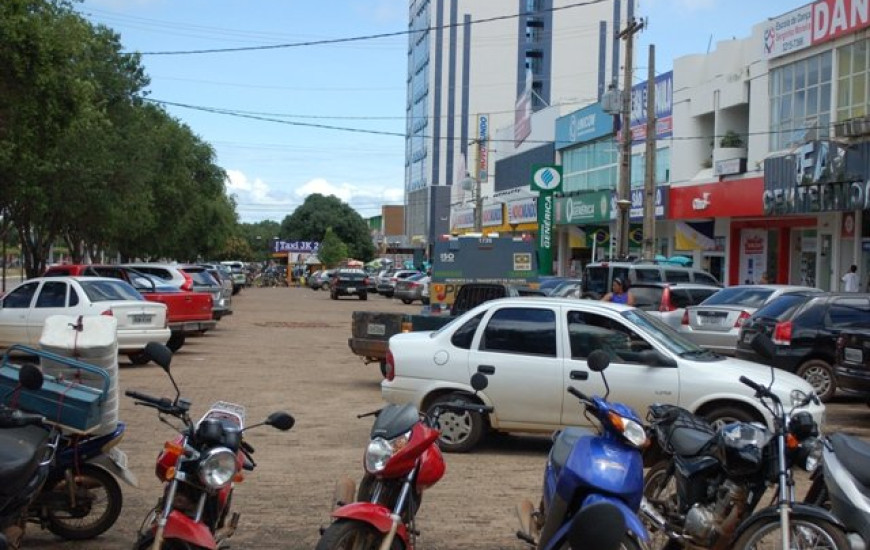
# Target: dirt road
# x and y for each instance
(287, 349)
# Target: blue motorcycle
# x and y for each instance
(585, 469)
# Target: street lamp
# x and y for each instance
(473, 185)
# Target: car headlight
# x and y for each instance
(631, 430)
(380, 451)
(217, 467)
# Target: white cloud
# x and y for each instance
(364, 199)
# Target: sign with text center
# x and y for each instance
(546, 179)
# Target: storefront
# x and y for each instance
(582, 229)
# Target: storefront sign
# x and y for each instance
(295, 246)
(664, 95)
(587, 124)
(729, 167)
(547, 180)
(463, 219)
(522, 211)
(493, 214)
(813, 24)
(721, 199)
(637, 196)
(847, 231)
(588, 208)
(482, 147)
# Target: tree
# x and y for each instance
(332, 251)
(310, 221)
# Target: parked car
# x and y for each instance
(410, 288)
(189, 277)
(533, 349)
(239, 272)
(852, 366)
(598, 276)
(388, 286)
(668, 301)
(715, 324)
(25, 308)
(805, 328)
(223, 275)
(349, 282)
(320, 279)
(564, 287)
(313, 280)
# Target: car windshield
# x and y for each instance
(595, 280)
(739, 296)
(665, 335)
(106, 291)
(201, 277)
(783, 307)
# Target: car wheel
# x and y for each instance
(727, 414)
(460, 432)
(364, 296)
(820, 375)
(175, 341)
(333, 295)
(406, 301)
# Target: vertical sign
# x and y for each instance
(546, 179)
(482, 148)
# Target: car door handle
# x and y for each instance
(579, 375)
(486, 369)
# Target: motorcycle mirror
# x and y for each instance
(479, 381)
(30, 376)
(600, 526)
(160, 354)
(598, 360)
(281, 420)
(763, 346)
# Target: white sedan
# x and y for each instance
(533, 349)
(24, 309)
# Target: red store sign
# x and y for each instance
(721, 199)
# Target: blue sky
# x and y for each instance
(271, 165)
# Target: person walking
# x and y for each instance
(850, 280)
(619, 293)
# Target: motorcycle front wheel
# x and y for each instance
(806, 534)
(145, 543)
(97, 505)
(660, 487)
(346, 534)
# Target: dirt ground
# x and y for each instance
(286, 349)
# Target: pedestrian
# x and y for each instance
(619, 293)
(850, 280)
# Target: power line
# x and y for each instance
(369, 36)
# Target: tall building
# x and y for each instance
(477, 66)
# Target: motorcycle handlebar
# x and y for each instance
(578, 394)
(160, 403)
(759, 389)
(11, 418)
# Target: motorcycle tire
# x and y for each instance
(145, 543)
(94, 514)
(348, 534)
(834, 537)
(658, 485)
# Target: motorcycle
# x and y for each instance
(26, 452)
(585, 468)
(706, 494)
(599, 526)
(401, 461)
(200, 468)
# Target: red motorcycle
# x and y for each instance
(199, 467)
(401, 461)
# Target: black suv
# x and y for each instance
(805, 328)
(349, 282)
(852, 369)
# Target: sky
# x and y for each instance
(329, 119)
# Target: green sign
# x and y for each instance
(588, 208)
(546, 178)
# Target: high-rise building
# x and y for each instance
(483, 65)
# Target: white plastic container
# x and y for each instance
(96, 343)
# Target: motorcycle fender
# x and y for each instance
(632, 521)
(798, 511)
(374, 514)
(181, 527)
(117, 470)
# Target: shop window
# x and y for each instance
(590, 167)
(852, 75)
(800, 99)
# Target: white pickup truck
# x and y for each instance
(533, 349)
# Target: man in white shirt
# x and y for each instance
(850, 280)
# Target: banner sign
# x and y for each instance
(295, 246)
(588, 208)
(814, 24)
(664, 108)
(483, 147)
(463, 219)
(493, 214)
(586, 124)
(637, 196)
(522, 211)
(546, 179)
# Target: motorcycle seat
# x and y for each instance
(854, 455)
(563, 442)
(20, 454)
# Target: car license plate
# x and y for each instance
(747, 337)
(853, 355)
(351, 289)
(141, 318)
(376, 329)
(709, 320)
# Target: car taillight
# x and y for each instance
(782, 334)
(666, 304)
(108, 313)
(685, 319)
(188, 282)
(391, 366)
(742, 319)
(366, 281)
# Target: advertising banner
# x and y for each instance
(295, 246)
(637, 196)
(753, 255)
(813, 24)
(546, 179)
(586, 124)
(493, 214)
(664, 107)
(588, 208)
(522, 211)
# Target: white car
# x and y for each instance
(533, 349)
(24, 309)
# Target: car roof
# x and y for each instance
(552, 301)
(663, 284)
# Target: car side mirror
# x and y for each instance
(763, 346)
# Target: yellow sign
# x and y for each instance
(522, 261)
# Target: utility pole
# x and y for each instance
(649, 184)
(623, 197)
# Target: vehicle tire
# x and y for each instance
(459, 432)
(364, 296)
(236, 290)
(333, 295)
(139, 358)
(820, 376)
(726, 414)
(98, 505)
(175, 341)
(384, 369)
(147, 541)
(806, 533)
(407, 301)
(347, 534)
(659, 486)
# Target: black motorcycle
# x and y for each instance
(707, 493)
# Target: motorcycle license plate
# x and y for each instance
(119, 457)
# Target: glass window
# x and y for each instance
(781, 308)
(676, 276)
(588, 332)
(21, 297)
(705, 279)
(647, 298)
(106, 291)
(465, 334)
(800, 99)
(595, 280)
(849, 313)
(521, 330)
(647, 275)
(701, 294)
(662, 333)
(52, 294)
(591, 166)
(740, 296)
(852, 74)
(680, 298)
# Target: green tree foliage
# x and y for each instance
(332, 251)
(310, 221)
(259, 237)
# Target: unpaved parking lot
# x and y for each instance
(287, 349)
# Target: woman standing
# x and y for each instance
(619, 293)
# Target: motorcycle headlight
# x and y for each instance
(632, 431)
(380, 451)
(217, 467)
